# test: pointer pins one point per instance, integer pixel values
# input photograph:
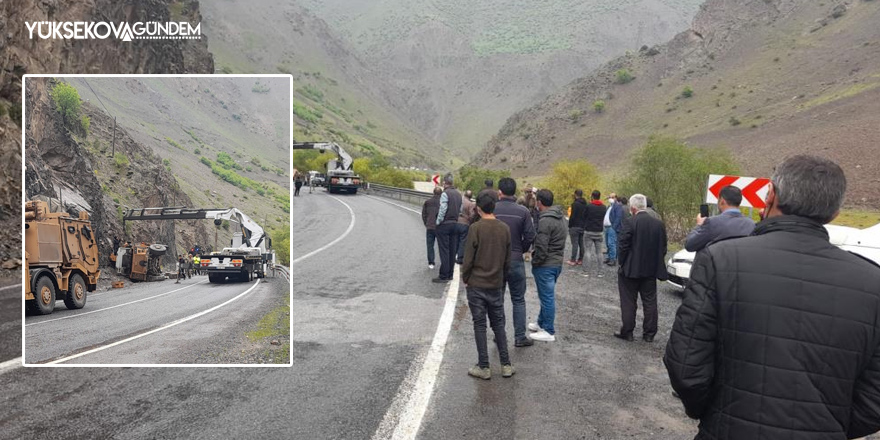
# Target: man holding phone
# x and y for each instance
(729, 224)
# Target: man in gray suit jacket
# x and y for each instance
(729, 224)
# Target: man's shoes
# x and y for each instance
(440, 280)
(480, 373)
(524, 343)
(648, 338)
(459, 261)
(507, 371)
(605, 261)
(431, 266)
(579, 262)
(542, 336)
(626, 337)
(600, 275)
(534, 327)
(572, 262)
(611, 263)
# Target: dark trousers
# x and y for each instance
(630, 289)
(483, 302)
(462, 237)
(447, 241)
(297, 185)
(577, 243)
(431, 238)
(516, 283)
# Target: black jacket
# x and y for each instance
(429, 212)
(595, 217)
(641, 247)
(777, 337)
(518, 219)
(578, 214)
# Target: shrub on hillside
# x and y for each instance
(623, 76)
(120, 160)
(68, 104)
(674, 175)
(687, 92)
(599, 106)
(575, 115)
(568, 176)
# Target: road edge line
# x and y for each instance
(12, 364)
(337, 240)
(155, 330)
(411, 402)
(113, 307)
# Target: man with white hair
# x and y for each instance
(641, 248)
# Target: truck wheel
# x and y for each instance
(76, 295)
(215, 278)
(158, 249)
(44, 302)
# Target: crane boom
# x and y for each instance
(344, 161)
(253, 234)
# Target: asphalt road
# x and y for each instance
(364, 311)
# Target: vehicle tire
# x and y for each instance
(214, 278)
(76, 294)
(44, 302)
(158, 249)
(354, 191)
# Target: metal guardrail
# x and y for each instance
(285, 271)
(404, 195)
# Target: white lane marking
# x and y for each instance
(338, 239)
(404, 416)
(14, 286)
(164, 327)
(395, 204)
(113, 307)
(10, 365)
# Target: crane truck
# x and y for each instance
(340, 174)
(249, 255)
(61, 258)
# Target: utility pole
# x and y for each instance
(113, 154)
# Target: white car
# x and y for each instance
(865, 242)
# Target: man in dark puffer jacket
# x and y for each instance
(777, 336)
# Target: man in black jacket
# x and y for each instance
(447, 231)
(594, 228)
(522, 235)
(641, 249)
(430, 209)
(777, 336)
(576, 228)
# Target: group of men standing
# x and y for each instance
(188, 265)
(489, 238)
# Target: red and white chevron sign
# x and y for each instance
(754, 189)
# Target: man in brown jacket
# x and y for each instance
(486, 264)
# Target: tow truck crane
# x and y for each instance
(249, 256)
(340, 174)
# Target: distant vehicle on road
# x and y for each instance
(317, 179)
(61, 258)
(865, 242)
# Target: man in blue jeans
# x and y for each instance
(522, 235)
(547, 264)
(612, 227)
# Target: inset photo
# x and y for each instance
(157, 220)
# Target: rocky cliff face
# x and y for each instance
(19, 55)
(79, 171)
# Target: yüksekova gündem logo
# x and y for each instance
(102, 30)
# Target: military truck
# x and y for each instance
(61, 258)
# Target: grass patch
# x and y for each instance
(275, 325)
(840, 94)
(857, 218)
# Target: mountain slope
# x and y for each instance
(769, 79)
(183, 120)
(334, 97)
